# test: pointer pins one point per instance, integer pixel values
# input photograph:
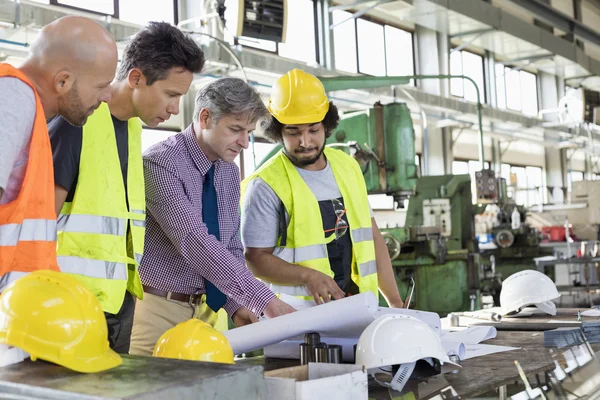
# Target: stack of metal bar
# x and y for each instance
(562, 337)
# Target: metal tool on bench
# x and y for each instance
(313, 350)
(334, 354)
(486, 315)
(307, 353)
(321, 353)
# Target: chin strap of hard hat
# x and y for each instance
(400, 378)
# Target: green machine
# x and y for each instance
(436, 247)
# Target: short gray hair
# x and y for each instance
(230, 96)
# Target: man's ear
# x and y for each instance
(205, 118)
(136, 78)
(63, 82)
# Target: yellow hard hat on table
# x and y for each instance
(298, 98)
(194, 340)
(55, 318)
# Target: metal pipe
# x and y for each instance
(363, 82)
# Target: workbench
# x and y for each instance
(137, 378)
(491, 374)
(148, 378)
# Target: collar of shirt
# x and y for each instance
(200, 159)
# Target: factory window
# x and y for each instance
(524, 184)
(399, 52)
(516, 90)
(575, 176)
(378, 49)
(300, 36)
(371, 48)
(136, 11)
(107, 7)
(471, 65)
(344, 39)
(463, 167)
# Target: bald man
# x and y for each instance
(69, 70)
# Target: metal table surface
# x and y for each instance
(484, 374)
(137, 378)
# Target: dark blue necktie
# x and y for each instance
(210, 214)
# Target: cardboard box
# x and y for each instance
(317, 381)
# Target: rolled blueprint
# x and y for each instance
(345, 318)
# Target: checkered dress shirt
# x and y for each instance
(179, 253)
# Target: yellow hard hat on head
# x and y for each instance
(298, 98)
(54, 317)
(194, 340)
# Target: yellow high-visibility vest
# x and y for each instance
(101, 232)
(306, 243)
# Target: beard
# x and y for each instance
(304, 162)
(71, 108)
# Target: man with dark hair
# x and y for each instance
(99, 178)
(194, 263)
(307, 226)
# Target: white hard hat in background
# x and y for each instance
(398, 340)
(528, 288)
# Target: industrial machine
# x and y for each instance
(513, 244)
(436, 247)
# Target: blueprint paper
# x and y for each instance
(471, 335)
(345, 318)
(594, 312)
(454, 348)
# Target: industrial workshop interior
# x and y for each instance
(177, 222)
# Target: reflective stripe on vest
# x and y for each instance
(362, 234)
(139, 222)
(41, 230)
(92, 224)
(368, 268)
(301, 254)
(93, 268)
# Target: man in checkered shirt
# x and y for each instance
(193, 260)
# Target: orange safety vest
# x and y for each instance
(28, 223)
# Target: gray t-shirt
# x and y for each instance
(261, 206)
(17, 107)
